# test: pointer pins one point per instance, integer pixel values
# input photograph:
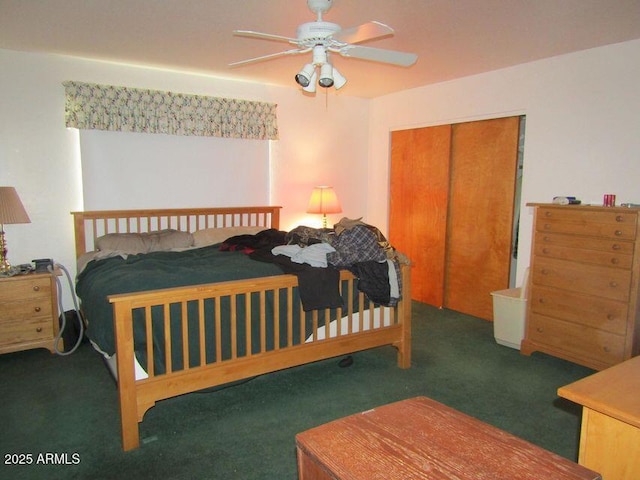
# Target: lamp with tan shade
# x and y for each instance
(324, 200)
(11, 211)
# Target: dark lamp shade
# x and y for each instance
(324, 200)
(11, 208)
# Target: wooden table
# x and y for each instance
(610, 435)
(420, 438)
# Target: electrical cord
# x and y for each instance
(64, 317)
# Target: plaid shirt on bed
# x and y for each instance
(357, 244)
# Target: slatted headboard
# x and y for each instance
(90, 225)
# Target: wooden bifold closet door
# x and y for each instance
(452, 191)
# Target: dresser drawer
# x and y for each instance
(614, 225)
(584, 216)
(613, 283)
(26, 287)
(26, 330)
(625, 247)
(598, 252)
(574, 339)
(595, 312)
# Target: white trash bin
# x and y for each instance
(509, 312)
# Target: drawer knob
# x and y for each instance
(613, 284)
(611, 316)
(619, 218)
(546, 239)
(547, 213)
(540, 329)
(615, 261)
(541, 300)
(37, 309)
(39, 329)
(616, 246)
(547, 226)
(606, 349)
(36, 288)
(544, 271)
(618, 233)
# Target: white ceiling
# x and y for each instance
(453, 38)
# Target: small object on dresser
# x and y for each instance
(42, 264)
(24, 268)
(609, 200)
(566, 201)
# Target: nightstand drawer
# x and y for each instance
(575, 339)
(35, 307)
(25, 287)
(27, 330)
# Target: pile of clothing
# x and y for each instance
(317, 255)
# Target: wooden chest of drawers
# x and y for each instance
(583, 295)
(28, 312)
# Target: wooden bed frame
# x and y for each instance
(137, 396)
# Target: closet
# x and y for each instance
(452, 191)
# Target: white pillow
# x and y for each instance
(211, 236)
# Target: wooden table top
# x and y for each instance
(614, 392)
(420, 438)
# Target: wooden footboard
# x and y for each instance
(353, 332)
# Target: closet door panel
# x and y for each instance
(419, 191)
(481, 207)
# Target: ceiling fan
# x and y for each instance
(322, 38)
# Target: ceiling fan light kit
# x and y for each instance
(322, 37)
(304, 76)
(311, 88)
(326, 76)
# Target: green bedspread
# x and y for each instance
(151, 271)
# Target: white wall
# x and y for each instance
(583, 119)
(322, 141)
(582, 132)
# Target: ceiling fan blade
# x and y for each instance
(265, 36)
(379, 55)
(364, 33)
(267, 57)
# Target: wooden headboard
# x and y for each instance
(90, 225)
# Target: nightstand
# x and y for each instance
(28, 312)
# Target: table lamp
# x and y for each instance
(11, 211)
(324, 200)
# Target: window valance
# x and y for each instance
(105, 107)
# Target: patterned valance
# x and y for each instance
(104, 107)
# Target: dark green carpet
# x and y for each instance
(68, 405)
